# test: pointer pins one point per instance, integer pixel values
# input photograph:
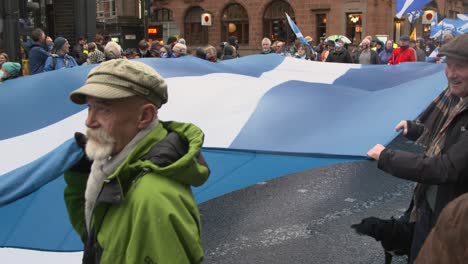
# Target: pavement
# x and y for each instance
(305, 217)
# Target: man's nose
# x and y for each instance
(91, 120)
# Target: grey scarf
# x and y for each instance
(102, 168)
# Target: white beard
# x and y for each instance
(99, 145)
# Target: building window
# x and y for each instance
(275, 24)
(321, 26)
(354, 27)
(112, 8)
(162, 15)
(105, 9)
(195, 33)
(235, 22)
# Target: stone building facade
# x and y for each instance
(252, 20)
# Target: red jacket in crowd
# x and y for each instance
(402, 54)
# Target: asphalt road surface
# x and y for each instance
(305, 217)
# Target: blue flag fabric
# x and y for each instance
(414, 15)
(263, 117)
(455, 27)
(405, 6)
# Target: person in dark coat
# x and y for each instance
(339, 54)
(229, 52)
(442, 171)
(78, 49)
(200, 53)
(38, 50)
(379, 46)
(232, 40)
(420, 48)
(143, 49)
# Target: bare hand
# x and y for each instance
(49, 40)
(402, 125)
(375, 151)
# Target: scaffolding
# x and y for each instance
(106, 10)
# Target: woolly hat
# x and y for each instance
(112, 50)
(58, 43)
(12, 68)
(180, 49)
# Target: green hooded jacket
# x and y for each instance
(152, 216)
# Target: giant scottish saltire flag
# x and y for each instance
(264, 116)
(406, 6)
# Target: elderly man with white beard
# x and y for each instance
(129, 198)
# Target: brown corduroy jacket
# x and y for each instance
(448, 240)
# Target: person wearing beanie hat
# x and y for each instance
(441, 172)
(129, 198)
(112, 50)
(179, 50)
(181, 41)
(59, 58)
(59, 43)
(10, 70)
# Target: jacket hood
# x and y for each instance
(189, 169)
(31, 44)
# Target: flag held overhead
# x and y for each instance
(406, 6)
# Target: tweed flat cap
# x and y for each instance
(122, 78)
(457, 48)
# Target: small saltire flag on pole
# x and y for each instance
(406, 6)
(296, 31)
(414, 15)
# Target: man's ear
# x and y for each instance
(148, 113)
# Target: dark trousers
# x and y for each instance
(421, 230)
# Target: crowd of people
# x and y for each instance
(370, 51)
(41, 53)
